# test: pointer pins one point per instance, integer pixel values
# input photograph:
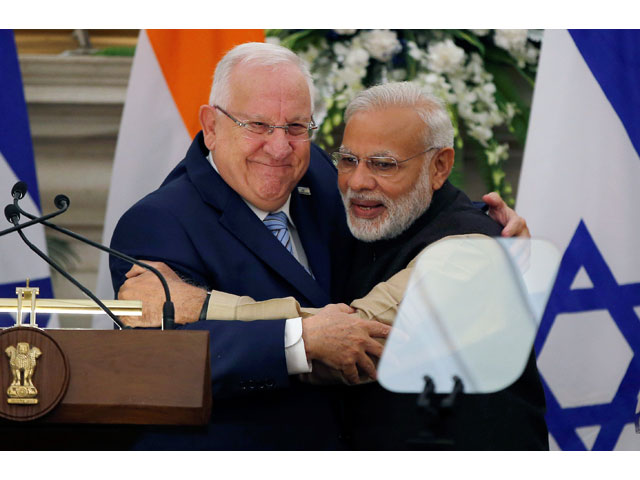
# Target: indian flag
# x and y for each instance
(170, 79)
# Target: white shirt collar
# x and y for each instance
(261, 214)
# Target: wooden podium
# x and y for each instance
(127, 377)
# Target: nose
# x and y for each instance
(361, 178)
(277, 144)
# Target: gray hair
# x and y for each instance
(432, 110)
(258, 54)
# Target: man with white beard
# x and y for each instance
(393, 165)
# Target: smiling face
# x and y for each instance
(383, 207)
(263, 169)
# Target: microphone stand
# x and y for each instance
(435, 411)
(33, 222)
(62, 201)
(14, 217)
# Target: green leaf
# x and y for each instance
(300, 40)
(469, 38)
(500, 56)
(508, 90)
(273, 32)
(116, 51)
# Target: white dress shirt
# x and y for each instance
(294, 352)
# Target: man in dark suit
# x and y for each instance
(393, 166)
(253, 159)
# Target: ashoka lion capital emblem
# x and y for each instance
(22, 361)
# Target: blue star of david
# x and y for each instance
(620, 301)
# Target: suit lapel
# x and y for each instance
(315, 246)
(240, 221)
(243, 224)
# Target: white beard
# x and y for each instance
(400, 213)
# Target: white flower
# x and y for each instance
(346, 31)
(381, 44)
(535, 35)
(495, 116)
(490, 88)
(398, 74)
(511, 40)
(349, 78)
(272, 40)
(531, 55)
(432, 78)
(481, 133)
(436, 85)
(510, 110)
(445, 57)
(481, 33)
(309, 55)
(357, 57)
(341, 51)
(414, 51)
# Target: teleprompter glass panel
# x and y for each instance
(471, 309)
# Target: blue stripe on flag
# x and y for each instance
(17, 150)
(15, 136)
(613, 56)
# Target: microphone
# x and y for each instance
(19, 190)
(13, 215)
(62, 202)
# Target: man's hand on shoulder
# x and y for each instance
(514, 225)
(343, 341)
(143, 285)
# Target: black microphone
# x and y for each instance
(19, 190)
(13, 215)
(63, 202)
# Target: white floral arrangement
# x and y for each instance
(472, 70)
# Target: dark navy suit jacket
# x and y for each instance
(204, 230)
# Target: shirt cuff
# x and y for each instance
(294, 352)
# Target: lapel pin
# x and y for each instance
(304, 190)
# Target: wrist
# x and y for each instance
(307, 337)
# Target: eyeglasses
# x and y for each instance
(379, 165)
(295, 131)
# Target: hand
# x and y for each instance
(141, 284)
(514, 225)
(343, 341)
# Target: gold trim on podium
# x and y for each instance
(49, 305)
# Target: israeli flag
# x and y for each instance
(580, 188)
(17, 262)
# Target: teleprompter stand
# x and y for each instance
(435, 410)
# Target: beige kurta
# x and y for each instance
(380, 304)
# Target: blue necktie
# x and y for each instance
(277, 224)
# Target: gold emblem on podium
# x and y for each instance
(22, 362)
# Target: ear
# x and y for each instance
(208, 124)
(440, 167)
